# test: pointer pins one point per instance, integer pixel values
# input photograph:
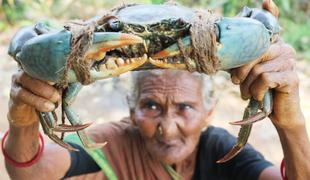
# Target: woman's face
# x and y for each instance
(173, 103)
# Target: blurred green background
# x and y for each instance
(295, 14)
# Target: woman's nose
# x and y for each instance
(168, 127)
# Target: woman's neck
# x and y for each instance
(186, 168)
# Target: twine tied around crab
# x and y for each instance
(82, 38)
(203, 33)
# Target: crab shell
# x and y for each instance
(241, 40)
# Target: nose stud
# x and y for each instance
(160, 130)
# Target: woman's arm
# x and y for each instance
(276, 70)
(27, 96)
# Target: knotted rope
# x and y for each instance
(81, 41)
(203, 32)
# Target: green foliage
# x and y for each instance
(298, 35)
(157, 1)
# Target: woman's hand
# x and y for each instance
(275, 70)
(28, 95)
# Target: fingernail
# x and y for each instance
(55, 97)
(49, 106)
(235, 80)
(260, 97)
(245, 97)
(51, 83)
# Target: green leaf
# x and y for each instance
(157, 1)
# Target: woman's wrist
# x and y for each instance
(22, 120)
(296, 149)
(22, 142)
(18, 164)
(289, 123)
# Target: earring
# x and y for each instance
(160, 130)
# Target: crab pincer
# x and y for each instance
(45, 56)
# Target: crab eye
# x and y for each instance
(180, 22)
(115, 25)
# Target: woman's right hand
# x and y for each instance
(27, 96)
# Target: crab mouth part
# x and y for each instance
(177, 62)
(103, 63)
(172, 57)
(116, 65)
(113, 54)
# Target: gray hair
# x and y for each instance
(206, 81)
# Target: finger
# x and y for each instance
(238, 75)
(23, 95)
(38, 87)
(275, 65)
(282, 82)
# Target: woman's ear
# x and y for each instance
(209, 114)
(132, 116)
(131, 109)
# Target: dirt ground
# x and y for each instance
(106, 101)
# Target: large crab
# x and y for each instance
(138, 37)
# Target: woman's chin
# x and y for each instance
(171, 155)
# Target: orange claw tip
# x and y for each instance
(106, 41)
(270, 6)
(97, 145)
(257, 117)
(116, 38)
(231, 154)
(70, 128)
(127, 39)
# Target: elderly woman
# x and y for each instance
(164, 136)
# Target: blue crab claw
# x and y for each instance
(45, 56)
(236, 45)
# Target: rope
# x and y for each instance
(203, 34)
(82, 38)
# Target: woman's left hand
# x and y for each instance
(275, 70)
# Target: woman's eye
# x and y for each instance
(151, 105)
(184, 106)
(151, 108)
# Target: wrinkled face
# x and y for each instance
(173, 102)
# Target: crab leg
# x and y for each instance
(49, 126)
(50, 120)
(244, 132)
(69, 97)
(45, 120)
(247, 123)
(266, 105)
(266, 110)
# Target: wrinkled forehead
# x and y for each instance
(169, 81)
